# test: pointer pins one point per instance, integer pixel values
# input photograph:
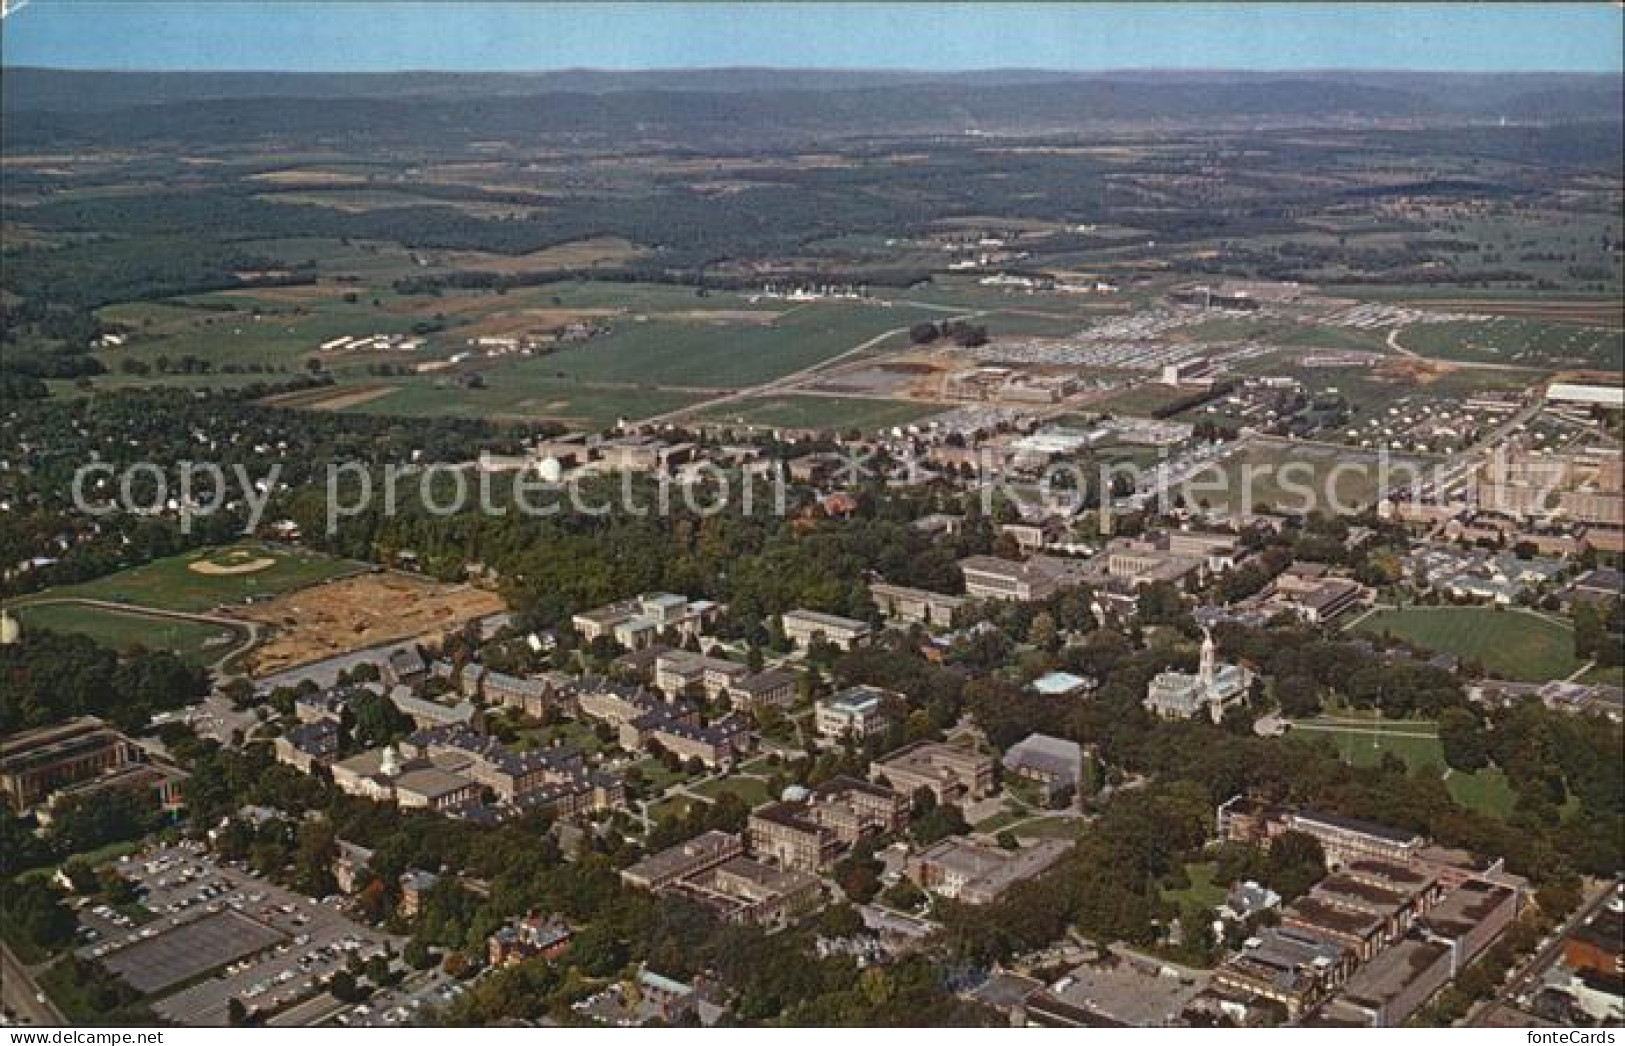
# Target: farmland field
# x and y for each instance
(1518, 341)
(793, 411)
(1509, 644)
(175, 583)
(1278, 474)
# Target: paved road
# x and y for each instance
(1531, 971)
(22, 995)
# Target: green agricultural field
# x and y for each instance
(253, 570)
(832, 412)
(1510, 644)
(1294, 477)
(194, 642)
(683, 352)
(1518, 341)
(524, 389)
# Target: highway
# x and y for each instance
(22, 995)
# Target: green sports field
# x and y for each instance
(1509, 644)
(195, 642)
(172, 584)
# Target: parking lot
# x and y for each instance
(276, 945)
(182, 952)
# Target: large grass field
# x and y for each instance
(193, 641)
(833, 412)
(1363, 741)
(1510, 644)
(523, 389)
(1294, 477)
(172, 584)
(1518, 341)
(687, 352)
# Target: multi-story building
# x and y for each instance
(801, 627)
(638, 622)
(772, 687)
(1054, 763)
(809, 832)
(1291, 967)
(703, 852)
(855, 712)
(786, 832)
(677, 671)
(964, 870)
(1037, 577)
(915, 606)
(607, 701)
(1345, 840)
(680, 732)
(713, 871)
(305, 746)
(533, 937)
(952, 773)
(80, 757)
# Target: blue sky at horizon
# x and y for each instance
(471, 36)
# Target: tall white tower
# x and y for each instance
(1204, 675)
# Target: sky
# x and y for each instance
(465, 35)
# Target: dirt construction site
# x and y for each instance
(356, 612)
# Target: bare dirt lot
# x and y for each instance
(356, 612)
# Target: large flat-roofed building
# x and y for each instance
(964, 870)
(952, 773)
(855, 712)
(741, 890)
(1471, 917)
(1310, 595)
(677, 671)
(1394, 985)
(1037, 577)
(915, 606)
(35, 763)
(801, 627)
(636, 623)
(699, 854)
(775, 687)
(80, 757)
(1345, 840)
(1294, 968)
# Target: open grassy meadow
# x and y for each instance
(1510, 644)
(1361, 740)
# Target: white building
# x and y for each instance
(1214, 687)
